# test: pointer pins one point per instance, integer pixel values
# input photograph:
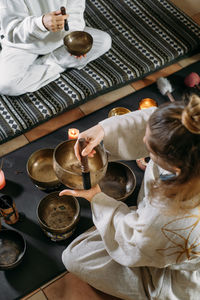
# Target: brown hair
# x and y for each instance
(175, 137)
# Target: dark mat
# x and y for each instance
(42, 260)
(146, 36)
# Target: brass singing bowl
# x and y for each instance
(40, 169)
(116, 111)
(119, 181)
(68, 168)
(58, 214)
(12, 249)
(78, 43)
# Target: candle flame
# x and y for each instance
(73, 132)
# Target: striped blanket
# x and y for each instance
(146, 36)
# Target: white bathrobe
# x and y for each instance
(137, 252)
(26, 38)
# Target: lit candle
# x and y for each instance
(2, 180)
(73, 133)
(146, 103)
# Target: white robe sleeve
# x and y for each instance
(24, 29)
(18, 26)
(124, 135)
(133, 237)
(75, 10)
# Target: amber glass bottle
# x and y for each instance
(8, 210)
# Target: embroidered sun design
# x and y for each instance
(184, 235)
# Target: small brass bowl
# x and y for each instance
(118, 111)
(40, 169)
(58, 215)
(12, 249)
(68, 168)
(78, 42)
(119, 181)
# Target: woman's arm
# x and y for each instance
(18, 25)
(123, 135)
(24, 29)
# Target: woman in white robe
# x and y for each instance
(151, 251)
(32, 52)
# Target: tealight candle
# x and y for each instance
(146, 103)
(73, 133)
(2, 179)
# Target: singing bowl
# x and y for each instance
(58, 214)
(78, 42)
(68, 168)
(12, 249)
(40, 169)
(119, 181)
(118, 111)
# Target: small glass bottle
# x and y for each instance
(8, 210)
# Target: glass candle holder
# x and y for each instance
(146, 103)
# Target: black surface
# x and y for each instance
(42, 260)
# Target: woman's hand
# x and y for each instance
(87, 194)
(54, 21)
(93, 137)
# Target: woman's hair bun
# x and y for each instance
(191, 115)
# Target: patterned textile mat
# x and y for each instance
(147, 35)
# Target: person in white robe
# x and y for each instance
(151, 251)
(33, 52)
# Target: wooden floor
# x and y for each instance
(67, 286)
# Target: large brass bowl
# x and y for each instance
(68, 168)
(58, 215)
(78, 42)
(119, 181)
(40, 169)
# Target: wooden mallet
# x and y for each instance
(165, 88)
(63, 12)
(84, 165)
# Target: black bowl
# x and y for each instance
(119, 181)
(12, 249)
